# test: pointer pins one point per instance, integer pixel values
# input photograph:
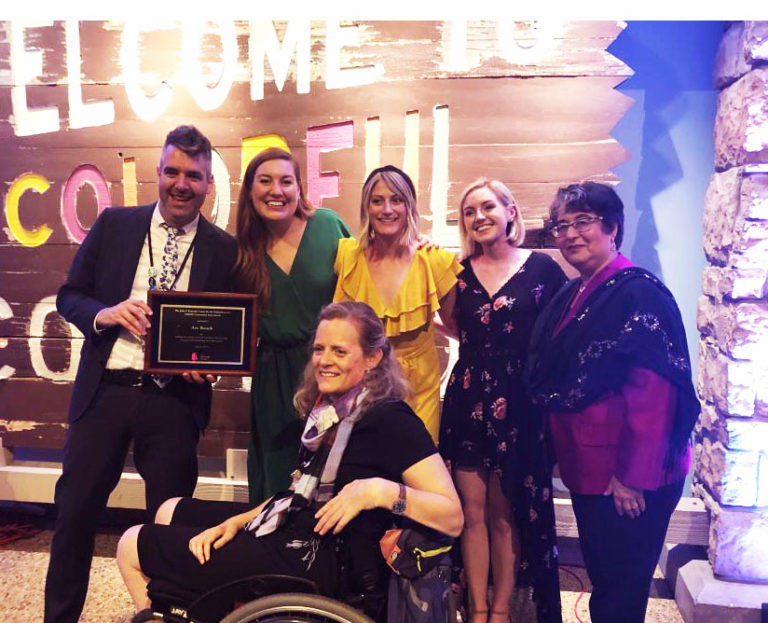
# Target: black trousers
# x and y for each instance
(621, 553)
(164, 436)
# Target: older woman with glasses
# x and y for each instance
(609, 361)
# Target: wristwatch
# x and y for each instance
(398, 508)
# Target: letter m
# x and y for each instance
(263, 45)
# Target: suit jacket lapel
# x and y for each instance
(202, 256)
(132, 243)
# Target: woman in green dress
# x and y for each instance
(286, 254)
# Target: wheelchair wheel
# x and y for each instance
(296, 608)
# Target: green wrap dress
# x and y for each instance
(285, 329)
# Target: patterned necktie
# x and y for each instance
(170, 257)
(168, 277)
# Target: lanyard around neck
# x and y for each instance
(153, 272)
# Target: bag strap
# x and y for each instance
(331, 468)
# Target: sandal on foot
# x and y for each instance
(473, 613)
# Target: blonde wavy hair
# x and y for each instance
(385, 382)
(399, 183)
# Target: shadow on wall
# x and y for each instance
(670, 60)
(668, 131)
(669, 134)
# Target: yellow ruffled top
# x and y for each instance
(430, 277)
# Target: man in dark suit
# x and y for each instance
(128, 251)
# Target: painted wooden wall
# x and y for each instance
(85, 106)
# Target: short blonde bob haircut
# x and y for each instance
(515, 228)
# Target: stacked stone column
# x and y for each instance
(731, 451)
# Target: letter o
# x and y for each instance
(36, 325)
(82, 175)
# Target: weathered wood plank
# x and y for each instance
(515, 110)
(34, 414)
(19, 325)
(526, 48)
(16, 257)
(516, 162)
(213, 444)
(532, 104)
(54, 353)
(533, 198)
(39, 400)
(32, 400)
(29, 286)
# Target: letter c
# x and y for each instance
(23, 183)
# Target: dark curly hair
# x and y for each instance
(599, 199)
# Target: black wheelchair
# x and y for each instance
(268, 599)
(364, 585)
(288, 599)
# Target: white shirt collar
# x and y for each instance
(190, 227)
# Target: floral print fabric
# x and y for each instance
(489, 422)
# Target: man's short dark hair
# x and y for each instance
(191, 141)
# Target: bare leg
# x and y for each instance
(472, 486)
(165, 511)
(505, 550)
(130, 568)
(128, 556)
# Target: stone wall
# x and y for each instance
(731, 455)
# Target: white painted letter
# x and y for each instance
(454, 46)
(442, 233)
(336, 77)
(411, 154)
(6, 312)
(525, 50)
(263, 42)
(81, 114)
(210, 97)
(372, 145)
(36, 326)
(220, 211)
(147, 108)
(25, 66)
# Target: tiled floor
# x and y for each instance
(23, 566)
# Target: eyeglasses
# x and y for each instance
(580, 224)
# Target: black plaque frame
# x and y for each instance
(201, 347)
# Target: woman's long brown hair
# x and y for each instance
(253, 237)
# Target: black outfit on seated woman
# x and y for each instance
(387, 440)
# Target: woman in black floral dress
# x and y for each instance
(492, 436)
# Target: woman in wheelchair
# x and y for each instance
(351, 392)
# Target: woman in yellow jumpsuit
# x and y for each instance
(404, 283)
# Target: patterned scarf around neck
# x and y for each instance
(631, 320)
(323, 443)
